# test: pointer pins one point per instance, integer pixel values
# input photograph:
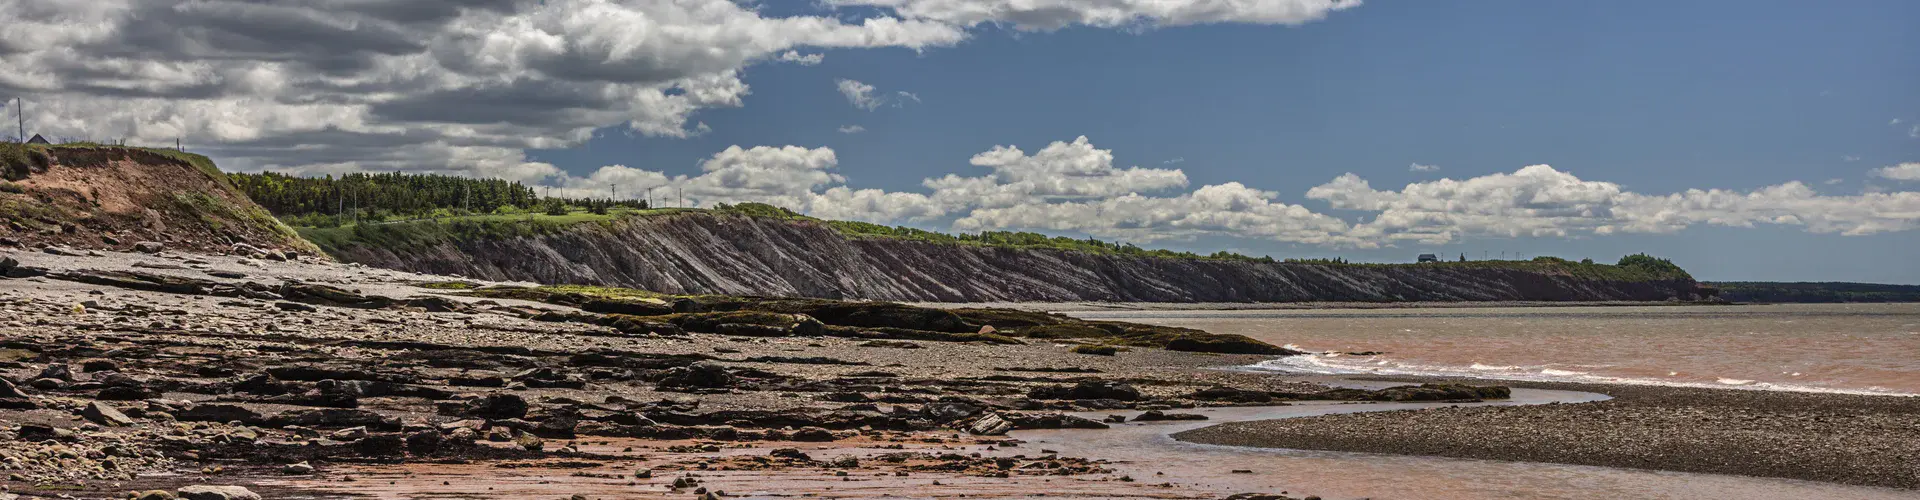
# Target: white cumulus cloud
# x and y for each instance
(1418, 167)
(852, 129)
(1909, 171)
(794, 56)
(1074, 186)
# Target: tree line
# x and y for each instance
(329, 200)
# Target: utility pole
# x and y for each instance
(683, 197)
(649, 197)
(20, 110)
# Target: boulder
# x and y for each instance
(496, 407)
(380, 445)
(992, 424)
(40, 432)
(57, 371)
(149, 247)
(208, 492)
(106, 415)
(8, 390)
(814, 434)
(245, 250)
(348, 434)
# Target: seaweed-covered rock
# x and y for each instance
(694, 377)
(1055, 421)
(1094, 389)
(1157, 416)
(1422, 392)
(1232, 395)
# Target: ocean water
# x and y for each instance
(1863, 348)
(1839, 348)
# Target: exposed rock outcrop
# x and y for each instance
(701, 253)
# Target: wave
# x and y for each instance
(1319, 364)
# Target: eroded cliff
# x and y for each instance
(700, 253)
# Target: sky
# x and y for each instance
(1746, 140)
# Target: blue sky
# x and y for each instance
(1659, 97)
(1764, 140)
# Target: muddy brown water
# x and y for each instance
(1840, 348)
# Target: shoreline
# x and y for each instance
(1836, 438)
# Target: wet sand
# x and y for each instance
(1863, 440)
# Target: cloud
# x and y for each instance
(1909, 171)
(852, 129)
(1060, 171)
(1895, 121)
(863, 96)
(1416, 167)
(1223, 209)
(1175, 161)
(1849, 158)
(1073, 186)
(1047, 15)
(793, 56)
(465, 86)
(1835, 181)
(341, 85)
(1914, 132)
(1540, 201)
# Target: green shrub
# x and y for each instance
(10, 187)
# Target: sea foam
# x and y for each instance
(1321, 364)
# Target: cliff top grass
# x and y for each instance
(421, 233)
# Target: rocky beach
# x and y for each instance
(1851, 439)
(148, 374)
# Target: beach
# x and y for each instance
(1851, 439)
(130, 372)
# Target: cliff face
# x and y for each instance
(705, 253)
(114, 197)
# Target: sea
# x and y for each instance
(1833, 348)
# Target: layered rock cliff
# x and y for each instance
(727, 254)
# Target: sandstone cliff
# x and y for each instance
(113, 197)
(701, 253)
